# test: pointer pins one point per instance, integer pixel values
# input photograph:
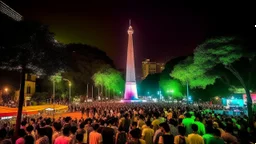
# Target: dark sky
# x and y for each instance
(163, 29)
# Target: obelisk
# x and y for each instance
(130, 83)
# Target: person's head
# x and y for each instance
(156, 115)
(181, 130)
(21, 133)
(110, 122)
(29, 139)
(73, 129)
(23, 123)
(56, 126)
(194, 127)
(229, 128)
(29, 128)
(188, 115)
(173, 122)
(48, 121)
(148, 123)
(141, 117)
(135, 133)
(95, 126)
(165, 127)
(32, 121)
(41, 132)
(120, 128)
(3, 133)
(82, 125)
(217, 133)
(79, 137)
(68, 119)
(66, 131)
(134, 125)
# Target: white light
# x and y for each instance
(49, 109)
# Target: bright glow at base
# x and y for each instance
(130, 91)
(132, 101)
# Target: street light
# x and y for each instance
(6, 89)
(69, 87)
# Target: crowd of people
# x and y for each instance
(134, 123)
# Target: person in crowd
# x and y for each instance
(21, 139)
(167, 137)
(216, 139)
(79, 138)
(181, 138)
(156, 121)
(29, 139)
(121, 136)
(194, 137)
(56, 131)
(135, 137)
(227, 135)
(42, 138)
(199, 123)
(173, 127)
(187, 122)
(94, 136)
(64, 138)
(108, 133)
(72, 135)
(148, 133)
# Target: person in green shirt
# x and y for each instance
(216, 139)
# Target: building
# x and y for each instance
(29, 88)
(149, 67)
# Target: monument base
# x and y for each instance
(132, 101)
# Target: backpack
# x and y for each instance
(182, 140)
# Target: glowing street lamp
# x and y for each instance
(6, 89)
(69, 88)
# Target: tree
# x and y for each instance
(109, 78)
(190, 73)
(171, 88)
(29, 47)
(223, 51)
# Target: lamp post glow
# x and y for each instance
(69, 89)
(6, 89)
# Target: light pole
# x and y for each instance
(69, 89)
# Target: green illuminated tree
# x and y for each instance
(109, 78)
(223, 51)
(192, 75)
(171, 88)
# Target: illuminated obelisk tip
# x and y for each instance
(130, 84)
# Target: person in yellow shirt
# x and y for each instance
(195, 138)
(156, 121)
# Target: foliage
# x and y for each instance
(30, 47)
(223, 51)
(110, 78)
(171, 88)
(194, 74)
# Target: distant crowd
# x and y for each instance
(134, 123)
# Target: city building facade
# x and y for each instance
(29, 88)
(149, 67)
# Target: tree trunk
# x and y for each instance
(21, 101)
(247, 91)
(249, 105)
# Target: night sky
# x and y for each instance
(162, 30)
